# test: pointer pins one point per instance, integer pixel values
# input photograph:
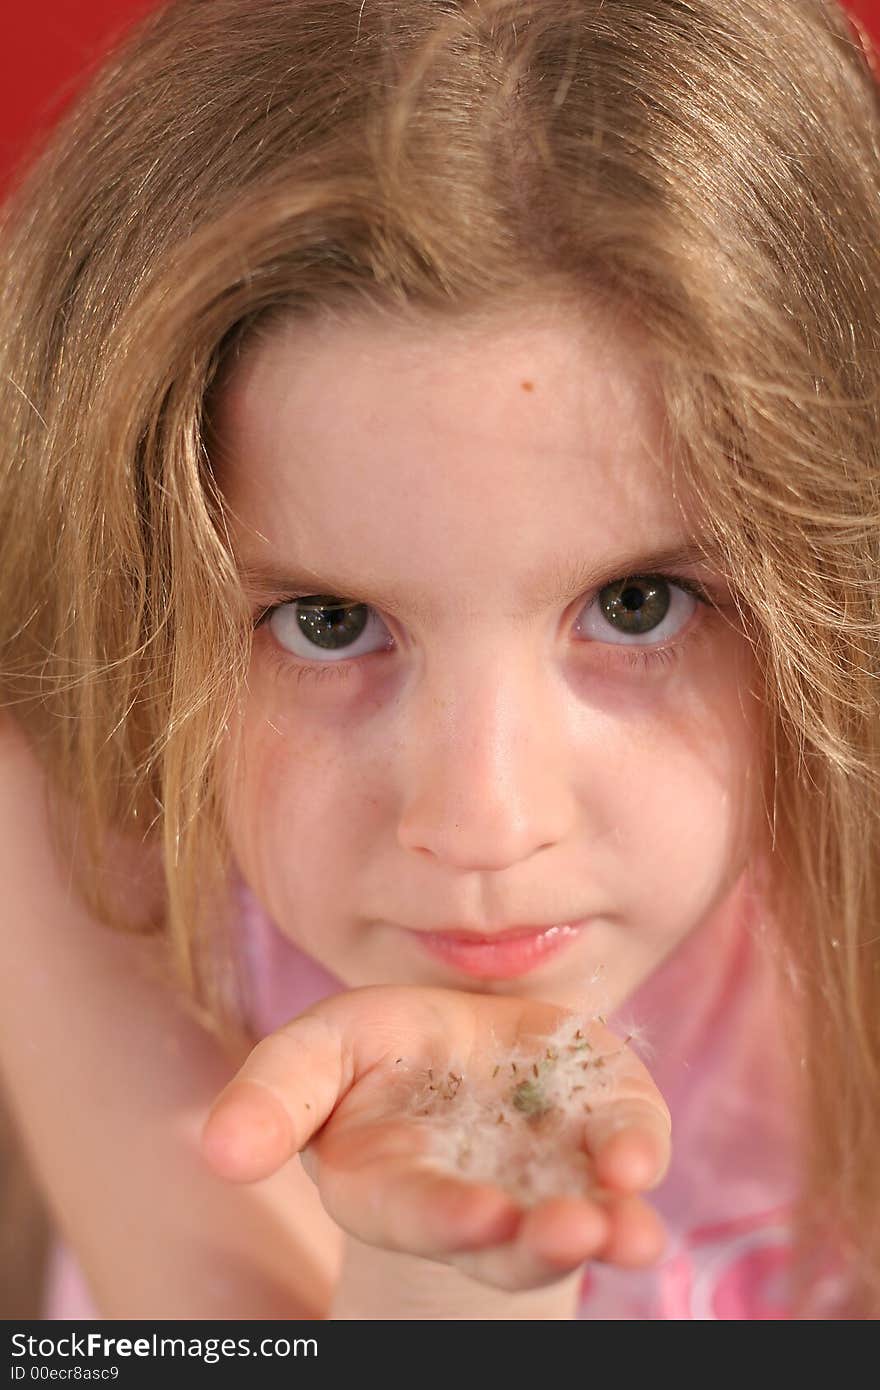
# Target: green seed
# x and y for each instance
(529, 1099)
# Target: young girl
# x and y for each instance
(439, 603)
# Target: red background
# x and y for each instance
(45, 48)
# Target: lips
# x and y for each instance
(489, 938)
(501, 956)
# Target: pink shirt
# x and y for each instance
(719, 1059)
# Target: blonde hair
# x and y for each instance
(710, 169)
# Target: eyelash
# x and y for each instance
(636, 658)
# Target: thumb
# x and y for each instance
(309, 1162)
(284, 1092)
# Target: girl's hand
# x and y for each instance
(366, 1084)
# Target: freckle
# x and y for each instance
(528, 386)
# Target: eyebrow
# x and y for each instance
(269, 583)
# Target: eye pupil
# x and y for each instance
(632, 599)
(637, 604)
(328, 623)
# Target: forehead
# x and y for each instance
(547, 346)
(532, 370)
(371, 437)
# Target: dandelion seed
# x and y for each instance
(528, 1098)
(308, 1107)
(513, 1067)
(535, 1068)
(496, 1071)
(451, 1086)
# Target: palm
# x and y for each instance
(477, 1111)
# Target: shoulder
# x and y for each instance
(133, 870)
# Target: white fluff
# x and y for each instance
(521, 1125)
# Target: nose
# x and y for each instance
(485, 780)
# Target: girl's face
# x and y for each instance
(494, 731)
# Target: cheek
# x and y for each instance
(685, 797)
(668, 796)
(301, 794)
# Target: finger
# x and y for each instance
(285, 1090)
(553, 1241)
(637, 1235)
(630, 1140)
(290, 1083)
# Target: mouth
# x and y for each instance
(502, 956)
